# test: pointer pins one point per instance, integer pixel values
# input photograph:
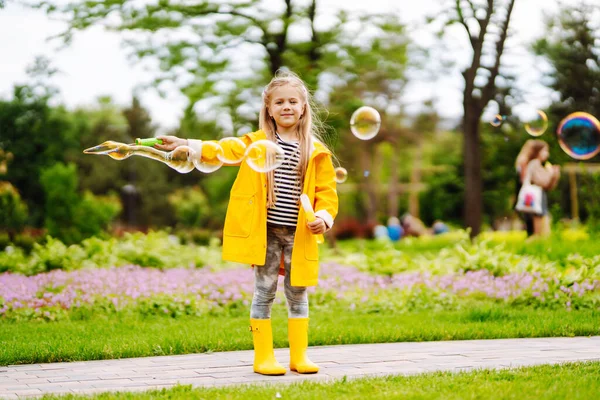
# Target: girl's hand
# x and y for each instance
(317, 226)
(170, 143)
(556, 171)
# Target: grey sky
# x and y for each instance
(96, 63)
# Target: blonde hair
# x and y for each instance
(530, 150)
(309, 126)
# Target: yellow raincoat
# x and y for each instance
(245, 231)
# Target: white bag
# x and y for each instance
(529, 200)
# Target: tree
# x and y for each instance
(13, 211)
(70, 216)
(486, 23)
(571, 45)
(143, 184)
(219, 54)
(370, 71)
(36, 134)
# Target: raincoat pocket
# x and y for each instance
(240, 214)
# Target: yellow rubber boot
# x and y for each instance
(298, 337)
(264, 357)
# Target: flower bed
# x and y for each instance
(56, 294)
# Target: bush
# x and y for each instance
(13, 211)
(191, 206)
(60, 185)
(69, 216)
(155, 249)
(25, 242)
(94, 213)
(4, 240)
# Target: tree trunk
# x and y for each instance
(473, 206)
(415, 180)
(394, 192)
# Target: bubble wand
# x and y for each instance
(310, 214)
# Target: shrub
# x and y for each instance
(69, 216)
(191, 206)
(13, 211)
(94, 213)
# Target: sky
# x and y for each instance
(96, 63)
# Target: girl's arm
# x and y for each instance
(326, 198)
(541, 176)
(555, 177)
(230, 150)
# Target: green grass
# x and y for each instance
(121, 336)
(568, 381)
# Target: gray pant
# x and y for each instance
(280, 239)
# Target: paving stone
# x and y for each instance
(337, 362)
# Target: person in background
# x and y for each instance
(413, 226)
(532, 157)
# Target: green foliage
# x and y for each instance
(569, 255)
(191, 206)
(570, 45)
(13, 211)
(60, 186)
(443, 197)
(155, 249)
(94, 213)
(38, 136)
(141, 183)
(69, 216)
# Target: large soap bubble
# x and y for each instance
(579, 135)
(264, 156)
(537, 124)
(365, 123)
(210, 161)
(235, 154)
(534, 121)
(181, 159)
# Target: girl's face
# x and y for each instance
(544, 154)
(286, 106)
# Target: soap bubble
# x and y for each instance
(341, 175)
(533, 120)
(264, 156)
(365, 123)
(497, 121)
(236, 150)
(209, 162)
(579, 135)
(181, 159)
(537, 125)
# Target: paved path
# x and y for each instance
(235, 367)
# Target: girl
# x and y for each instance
(533, 154)
(265, 226)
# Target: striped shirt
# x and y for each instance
(287, 186)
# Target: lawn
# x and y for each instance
(438, 288)
(133, 335)
(567, 381)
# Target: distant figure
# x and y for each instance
(531, 158)
(413, 226)
(394, 229)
